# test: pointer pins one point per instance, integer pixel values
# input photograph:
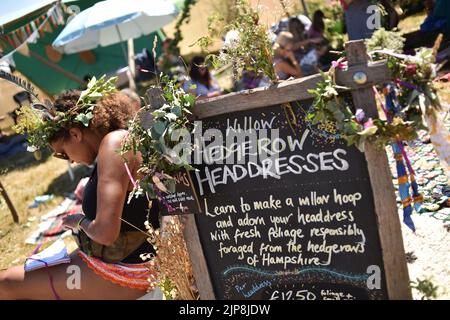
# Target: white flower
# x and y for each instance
(231, 38)
(31, 148)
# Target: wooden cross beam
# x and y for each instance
(288, 91)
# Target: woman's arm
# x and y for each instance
(113, 182)
(288, 69)
(303, 43)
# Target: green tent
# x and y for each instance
(68, 71)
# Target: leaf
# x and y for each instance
(369, 131)
(95, 95)
(176, 110)
(189, 99)
(171, 116)
(84, 118)
(423, 103)
(413, 96)
(171, 185)
(159, 127)
(159, 113)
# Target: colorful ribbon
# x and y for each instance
(407, 185)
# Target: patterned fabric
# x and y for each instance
(345, 3)
(404, 187)
(140, 276)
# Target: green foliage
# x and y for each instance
(96, 90)
(417, 91)
(386, 40)
(168, 288)
(426, 288)
(334, 21)
(184, 17)
(41, 124)
(156, 141)
(33, 124)
(334, 26)
(329, 106)
(251, 50)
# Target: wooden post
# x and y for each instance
(389, 227)
(131, 64)
(9, 203)
(199, 266)
(305, 8)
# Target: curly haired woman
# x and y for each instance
(110, 243)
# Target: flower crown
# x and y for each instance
(41, 121)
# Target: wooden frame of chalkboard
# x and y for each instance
(384, 202)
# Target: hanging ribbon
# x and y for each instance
(407, 185)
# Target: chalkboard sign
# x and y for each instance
(299, 224)
(284, 209)
(183, 200)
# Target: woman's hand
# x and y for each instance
(73, 220)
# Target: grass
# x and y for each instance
(25, 178)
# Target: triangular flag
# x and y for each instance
(15, 40)
(47, 26)
(10, 41)
(24, 50)
(28, 29)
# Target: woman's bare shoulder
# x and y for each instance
(110, 149)
(113, 139)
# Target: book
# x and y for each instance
(51, 256)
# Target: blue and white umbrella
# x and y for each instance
(112, 21)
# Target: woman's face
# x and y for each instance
(73, 148)
(202, 69)
(286, 49)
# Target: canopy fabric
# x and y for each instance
(111, 21)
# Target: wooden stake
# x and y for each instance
(9, 203)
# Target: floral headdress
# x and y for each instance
(42, 121)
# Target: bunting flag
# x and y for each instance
(407, 185)
(34, 29)
(24, 50)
